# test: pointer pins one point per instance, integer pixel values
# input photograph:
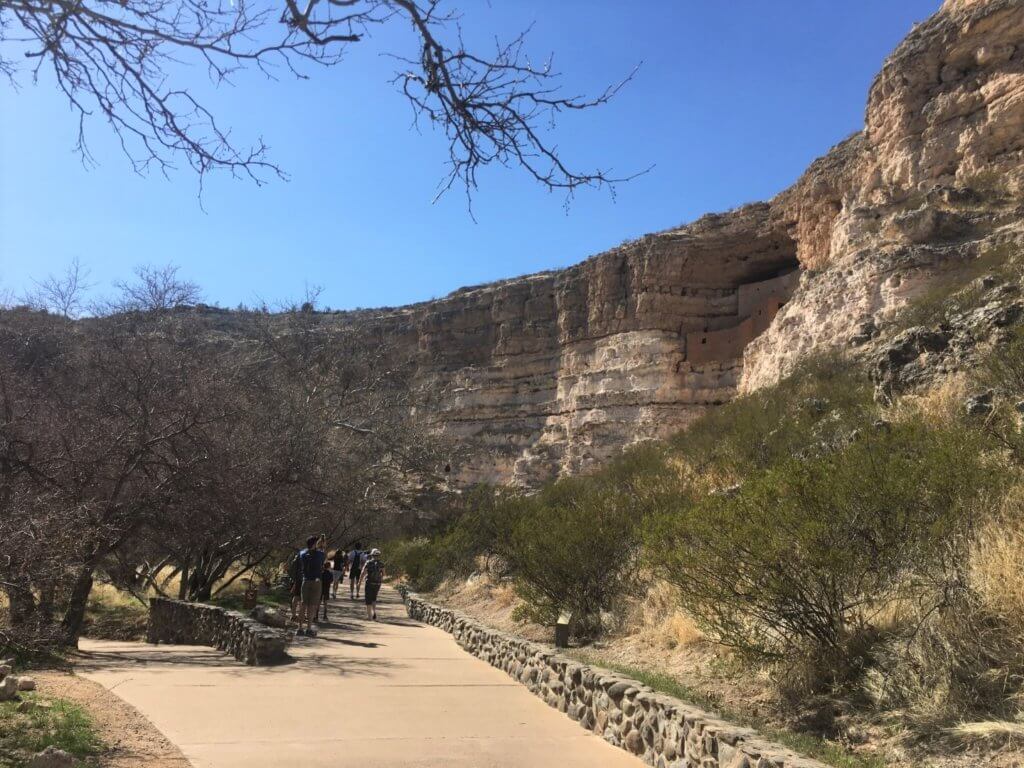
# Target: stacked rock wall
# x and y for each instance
(663, 731)
(178, 622)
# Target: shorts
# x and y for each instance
(371, 592)
(338, 576)
(311, 592)
(354, 574)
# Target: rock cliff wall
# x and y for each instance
(933, 182)
(552, 373)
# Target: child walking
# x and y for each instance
(325, 587)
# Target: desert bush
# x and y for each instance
(961, 658)
(958, 661)
(416, 561)
(795, 562)
(575, 547)
(482, 530)
(479, 527)
(810, 411)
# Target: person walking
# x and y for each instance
(312, 561)
(295, 584)
(326, 581)
(373, 575)
(355, 568)
(337, 571)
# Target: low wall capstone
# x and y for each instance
(663, 731)
(177, 622)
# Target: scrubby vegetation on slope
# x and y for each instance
(854, 549)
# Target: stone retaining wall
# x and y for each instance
(178, 622)
(663, 731)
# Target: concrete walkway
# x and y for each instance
(392, 693)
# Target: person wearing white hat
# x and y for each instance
(373, 577)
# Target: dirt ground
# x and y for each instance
(132, 740)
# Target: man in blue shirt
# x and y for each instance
(312, 560)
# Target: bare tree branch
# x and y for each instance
(117, 61)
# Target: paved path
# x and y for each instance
(394, 693)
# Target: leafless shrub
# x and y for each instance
(62, 294)
(140, 446)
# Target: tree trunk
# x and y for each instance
(71, 626)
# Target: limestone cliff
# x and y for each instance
(934, 181)
(551, 373)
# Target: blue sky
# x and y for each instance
(732, 102)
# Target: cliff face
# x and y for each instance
(933, 182)
(552, 373)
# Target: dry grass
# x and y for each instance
(938, 406)
(961, 671)
(989, 730)
(490, 601)
(114, 615)
(997, 561)
(657, 621)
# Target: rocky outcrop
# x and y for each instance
(662, 731)
(552, 373)
(933, 182)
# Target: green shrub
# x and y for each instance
(482, 530)
(575, 547)
(810, 411)
(795, 562)
(420, 561)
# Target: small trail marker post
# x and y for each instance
(562, 629)
(251, 593)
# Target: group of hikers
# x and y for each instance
(316, 576)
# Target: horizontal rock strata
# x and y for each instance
(663, 731)
(551, 374)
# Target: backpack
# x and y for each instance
(295, 569)
(374, 572)
(312, 566)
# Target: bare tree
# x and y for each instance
(155, 289)
(117, 61)
(63, 294)
(149, 442)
